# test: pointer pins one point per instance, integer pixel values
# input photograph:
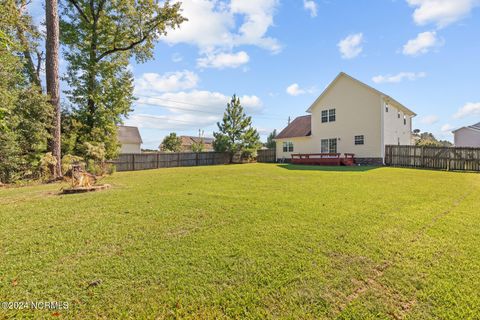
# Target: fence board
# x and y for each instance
(145, 161)
(444, 158)
(266, 155)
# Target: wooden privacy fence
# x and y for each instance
(445, 158)
(144, 161)
(266, 155)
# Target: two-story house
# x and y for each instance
(348, 117)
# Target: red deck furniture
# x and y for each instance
(324, 159)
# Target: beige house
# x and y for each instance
(348, 117)
(189, 141)
(467, 136)
(130, 139)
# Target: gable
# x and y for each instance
(345, 80)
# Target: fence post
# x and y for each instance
(133, 162)
(196, 159)
(158, 160)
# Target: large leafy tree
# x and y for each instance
(236, 133)
(171, 143)
(25, 115)
(101, 37)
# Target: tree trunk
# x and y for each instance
(51, 70)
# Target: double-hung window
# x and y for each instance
(288, 146)
(329, 145)
(359, 140)
(328, 115)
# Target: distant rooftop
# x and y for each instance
(127, 134)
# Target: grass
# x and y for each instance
(248, 241)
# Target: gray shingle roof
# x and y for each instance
(127, 134)
(476, 126)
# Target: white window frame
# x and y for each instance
(359, 140)
(326, 145)
(328, 115)
(287, 146)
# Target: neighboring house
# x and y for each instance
(348, 117)
(467, 136)
(130, 139)
(188, 141)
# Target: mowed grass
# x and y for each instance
(248, 241)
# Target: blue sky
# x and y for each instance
(278, 56)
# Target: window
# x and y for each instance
(288, 146)
(404, 120)
(359, 140)
(331, 115)
(329, 145)
(324, 116)
(398, 114)
(386, 108)
(328, 115)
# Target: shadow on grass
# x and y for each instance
(327, 168)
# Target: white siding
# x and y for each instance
(130, 148)
(466, 137)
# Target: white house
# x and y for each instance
(348, 117)
(130, 139)
(467, 136)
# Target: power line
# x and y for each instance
(277, 117)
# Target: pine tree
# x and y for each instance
(236, 133)
(271, 144)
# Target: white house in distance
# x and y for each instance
(130, 139)
(348, 117)
(467, 136)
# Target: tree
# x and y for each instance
(53, 80)
(198, 146)
(25, 115)
(271, 144)
(427, 139)
(236, 133)
(171, 143)
(101, 37)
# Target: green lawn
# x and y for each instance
(248, 241)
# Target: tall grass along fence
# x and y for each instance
(266, 155)
(445, 158)
(144, 161)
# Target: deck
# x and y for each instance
(324, 159)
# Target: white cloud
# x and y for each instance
(310, 6)
(223, 60)
(422, 44)
(447, 128)
(213, 25)
(295, 90)
(441, 12)
(188, 110)
(351, 46)
(172, 81)
(429, 119)
(399, 77)
(468, 110)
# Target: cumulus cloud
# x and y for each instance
(468, 110)
(399, 77)
(429, 119)
(441, 12)
(215, 25)
(171, 81)
(310, 6)
(351, 46)
(187, 109)
(223, 60)
(447, 128)
(295, 90)
(422, 44)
